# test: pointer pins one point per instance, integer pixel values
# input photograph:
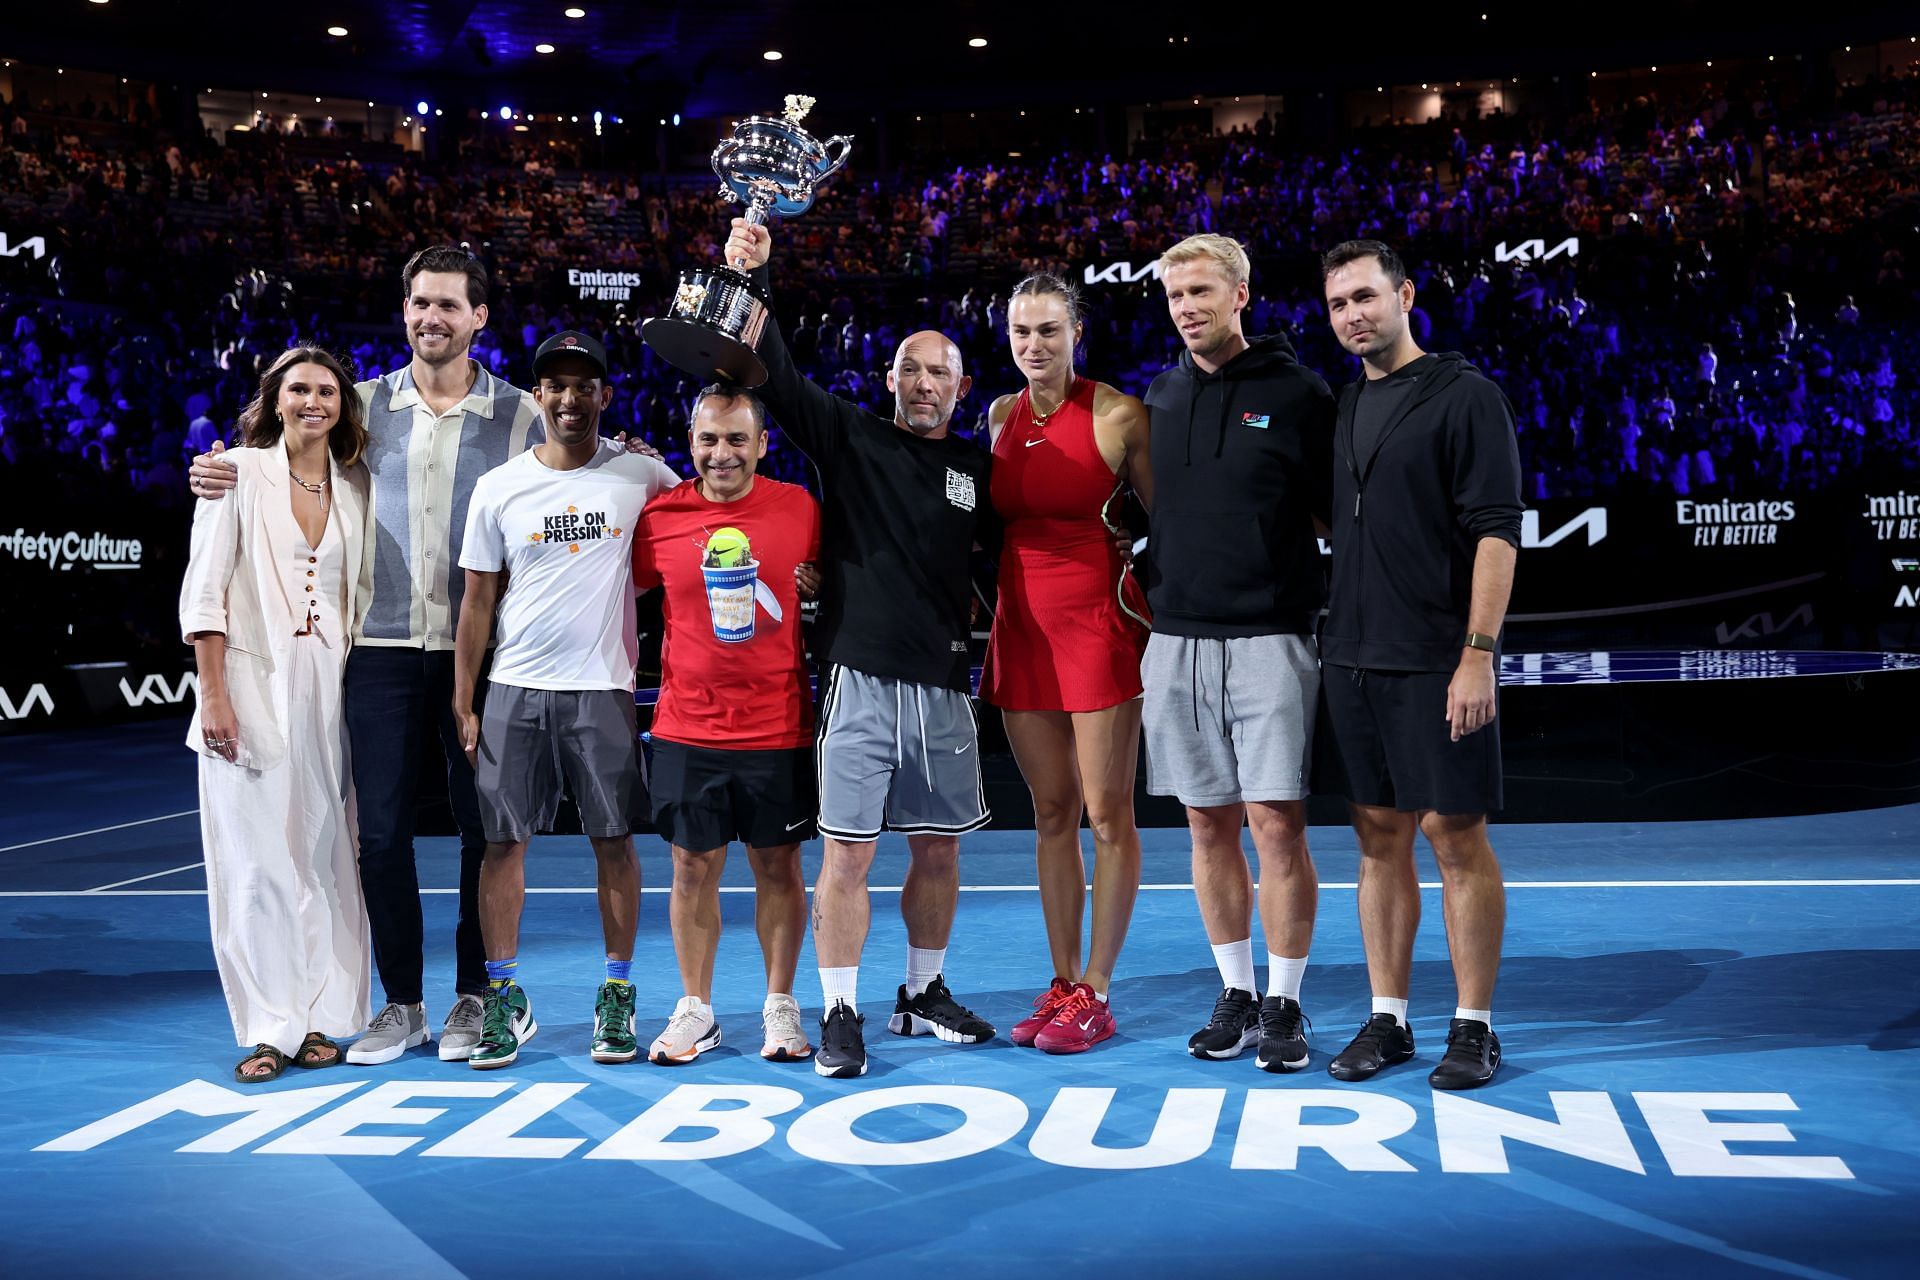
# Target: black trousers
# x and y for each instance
(396, 700)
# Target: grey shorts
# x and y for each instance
(532, 739)
(897, 756)
(1231, 720)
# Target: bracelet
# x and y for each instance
(1480, 640)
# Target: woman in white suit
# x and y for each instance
(269, 606)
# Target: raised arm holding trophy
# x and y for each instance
(772, 165)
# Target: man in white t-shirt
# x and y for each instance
(557, 523)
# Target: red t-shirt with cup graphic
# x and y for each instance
(748, 695)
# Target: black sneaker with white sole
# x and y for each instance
(1381, 1042)
(1473, 1055)
(934, 1012)
(1283, 1039)
(1235, 1025)
(843, 1046)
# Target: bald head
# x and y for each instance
(927, 381)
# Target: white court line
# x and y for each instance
(75, 835)
(1034, 888)
(152, 875)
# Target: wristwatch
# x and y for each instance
(1480, 640)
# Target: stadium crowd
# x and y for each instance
(1728, 325)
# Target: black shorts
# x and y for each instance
(706, 797)
(1387, 744)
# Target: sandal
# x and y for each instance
(272, 1056)
(316, 1051)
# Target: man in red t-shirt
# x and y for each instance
(733, 732)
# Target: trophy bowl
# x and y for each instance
(772, 165)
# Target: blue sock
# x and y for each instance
(502, 972)
(617, 970)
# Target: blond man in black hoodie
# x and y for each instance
(1242, 434)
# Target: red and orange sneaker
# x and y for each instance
(1045, 1005)
(1084, 1020)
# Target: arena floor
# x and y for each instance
(1713, 1068)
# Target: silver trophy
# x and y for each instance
(771, 165)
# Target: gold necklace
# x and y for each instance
(1033, 405)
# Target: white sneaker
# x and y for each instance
(461, 1034)
(690, 1032)
(394, 1030)
(786, 1034)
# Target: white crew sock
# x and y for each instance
(840, 985)
(1283, 976)
(1476, 1015)
(1387, 1004)
(924, 964)
(1235, 960)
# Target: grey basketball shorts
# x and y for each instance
(1229, 720)
(897, 756)
(533, 739)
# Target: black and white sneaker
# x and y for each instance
(934, 1012)
(1283, 1042)
(843, 1047)
(1381, 1042)
(1473, 1055)
(1235, 1025)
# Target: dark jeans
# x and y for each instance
(396, 700)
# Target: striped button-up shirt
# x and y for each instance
(424, 468)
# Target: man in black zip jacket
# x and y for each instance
(1426, 529)
(902, 504)
(1242, 434)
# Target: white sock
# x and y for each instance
(1476, 1015)
(1283, 976)
(1101, 996)
(924, 964)
(1235, 960)
(840, 985)
(1387, 1004)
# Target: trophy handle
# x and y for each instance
(846, 146)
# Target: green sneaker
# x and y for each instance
(506, 1023)
(613, 1039)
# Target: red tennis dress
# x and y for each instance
(1060, 640)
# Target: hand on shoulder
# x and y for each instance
(211, 475)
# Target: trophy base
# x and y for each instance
(694, 348)
(714, 327)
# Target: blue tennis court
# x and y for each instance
(1712, 1035)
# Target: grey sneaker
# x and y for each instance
(394, 1030)
(462, 1032)
(690, 1032)
(786, 1037)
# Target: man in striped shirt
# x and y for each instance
(436, 426)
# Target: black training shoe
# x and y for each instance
(843, 1047)
(1235, 1025)
(1283, 1043)
(1473, 1055)
(935, 1012)
(1381, 1043)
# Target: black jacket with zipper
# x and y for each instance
(1242, 462)
(1408, 518)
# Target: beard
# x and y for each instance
(918, 425)
(454, 350)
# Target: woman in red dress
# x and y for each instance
(1063, 661)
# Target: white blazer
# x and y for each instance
(236, 584)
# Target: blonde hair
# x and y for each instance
(1224, 252)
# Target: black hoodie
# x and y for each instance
(1242, 462)
(1408, 518)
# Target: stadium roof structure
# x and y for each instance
(710, 59)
